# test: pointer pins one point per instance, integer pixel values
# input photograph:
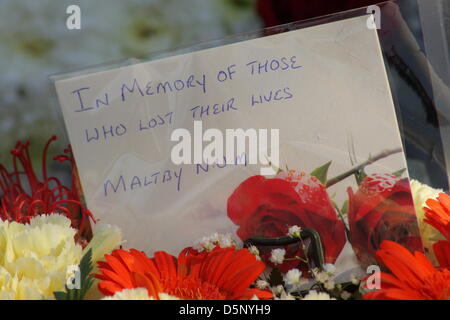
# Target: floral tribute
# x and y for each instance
(380, 209)
(222, 273)
(46, 231)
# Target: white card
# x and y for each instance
(330, 87)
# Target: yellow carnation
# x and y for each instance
(35, 257)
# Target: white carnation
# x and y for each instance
(314, 295)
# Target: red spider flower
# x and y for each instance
(24, 195)
(221, 274)
(413, 276)
(382, 209)
(438, 214)
(268, 207)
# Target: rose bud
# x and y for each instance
(382, 209)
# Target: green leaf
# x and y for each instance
(344, 208)
(360, 176)
(399, 172)
(275, 277)
(60, 295)
(322, 172)
(86, 281)
(335, 205)
(85, 270)
(275, 168)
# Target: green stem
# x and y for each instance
(361, 166)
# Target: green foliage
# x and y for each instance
(399, 173)
(344, 209)
(321, 173)
(86, 281)
(360, 176)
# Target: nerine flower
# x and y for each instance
(35, 257)
(25, 196)
(223, 273)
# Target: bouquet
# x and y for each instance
(290, 233)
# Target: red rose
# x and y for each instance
(382, 209)
(268, 207)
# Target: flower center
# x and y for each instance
(195, 289)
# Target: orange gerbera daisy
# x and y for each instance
(221, 274)
(413, 276)
(438, 214)
(441, 251)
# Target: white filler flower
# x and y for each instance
(277, 256)
(292, 277)
(314, 295)
(294, 232)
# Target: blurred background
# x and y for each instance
(35, 43)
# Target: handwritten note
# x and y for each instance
(317, 85)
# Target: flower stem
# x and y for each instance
(382, 155)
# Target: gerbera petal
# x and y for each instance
(124, 280)
(219, 265)
(413, 278)
(222, 273)
(143, 263)
(116, 265)
(147, 281)
(104, 265)
(444, 199)
(108, 288)
(393, 294)
(127, 259)
(442, 252)
(389, 281)
(245, 277)
(402, 263)
(239, 260)
(166, 264)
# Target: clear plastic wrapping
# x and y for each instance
(330, 86)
